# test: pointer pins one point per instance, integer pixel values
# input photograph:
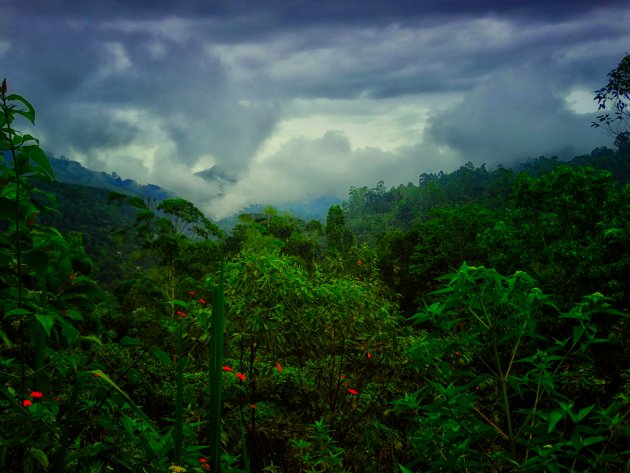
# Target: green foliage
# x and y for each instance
(567, 228)
(616, 96)
(500, 393)
(308, 364)
(307, 346)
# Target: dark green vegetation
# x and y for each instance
(474, 321)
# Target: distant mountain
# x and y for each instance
(72, 172)
(310, 209)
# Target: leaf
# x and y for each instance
(91, 338)
(70, 333)
(592, 440)
(554, 418)
(5, 339)
(47, 322)
(138, 411)
(29, 113)
(162, 356)
(35, 153)
(18, 312)
(581, 414)
(128, 341)
(404, 470)
(40, 457)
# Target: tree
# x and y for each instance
(340, 238)
(615, 96)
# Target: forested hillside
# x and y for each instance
(469, 321)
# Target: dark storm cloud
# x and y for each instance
(512, 117)
(300, 12)
(165, 88)
(79, 74)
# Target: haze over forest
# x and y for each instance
(232, 103)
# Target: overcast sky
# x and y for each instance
(297, 99)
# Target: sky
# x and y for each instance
(291, 100)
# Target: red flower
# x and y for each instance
(354, 392)
(252, 406)
(27, 403)
(342, 376)
(36, 395)
(360, 262)
(203, 460)
(180, 313)
(369, 355)
(227, 368)
(202, 301)
(240, 376)
(192, 293)
(279, 367)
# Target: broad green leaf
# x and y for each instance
(29, 113)
(47, 322)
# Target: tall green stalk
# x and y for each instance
(215, 370)
(18, 249)
(179, 397)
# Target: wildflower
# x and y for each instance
(354, 392)
(192, 293)
(27, 403)
(227, 368)
(279, 367)
(360, 262)
(369, 355)
(177, 469)
(181, 314)
(37, 395)
(240, 376)
(203, 460)
(96, 375)
(342, 376)
(204, 463)
(202, 301)
(252, 406)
